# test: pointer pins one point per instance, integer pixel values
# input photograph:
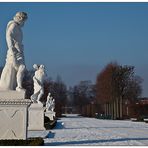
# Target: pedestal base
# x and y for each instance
(13, 119)
(36, 117)
(50, 115)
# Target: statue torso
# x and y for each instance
(14, 33)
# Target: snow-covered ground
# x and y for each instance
(75, 130)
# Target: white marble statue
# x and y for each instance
(38, 79)
(13, 71)
(50, 103)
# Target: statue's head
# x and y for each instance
(49, 95)
(35, 66)
(40, 71)
(42, 67)
(20, 18)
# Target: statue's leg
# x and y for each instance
(40, 95)
(34, 97)
(19, 76)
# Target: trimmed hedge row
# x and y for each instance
(38, 141)
(49, 124)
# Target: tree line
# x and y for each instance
(114, 85)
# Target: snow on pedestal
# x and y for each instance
(12, 94)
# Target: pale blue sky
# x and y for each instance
(76, 40)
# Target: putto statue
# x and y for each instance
(50, 103)
(13, 72)
(38, 79)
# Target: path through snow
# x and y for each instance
(76, 130)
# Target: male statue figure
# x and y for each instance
(13, 72)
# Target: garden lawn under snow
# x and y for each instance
(75, 130)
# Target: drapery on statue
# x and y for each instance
(38, 79)
(50, 103)
(13, 71)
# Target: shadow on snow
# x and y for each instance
(105, 127)
(92, 141)
(59, 125)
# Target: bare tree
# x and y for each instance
(83, 94)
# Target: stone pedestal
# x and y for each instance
(36, 117)
(50, 115)
(13, 118)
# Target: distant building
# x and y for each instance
(137, 109)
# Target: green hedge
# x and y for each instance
(101, 116)
(49, 124)
(29, 142)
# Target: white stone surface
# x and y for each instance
(36, 117)
(13, 119)
(13, 105)
(50, 114)
(38, 79)
(12, 95)
(50, 103)
(13, 71)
